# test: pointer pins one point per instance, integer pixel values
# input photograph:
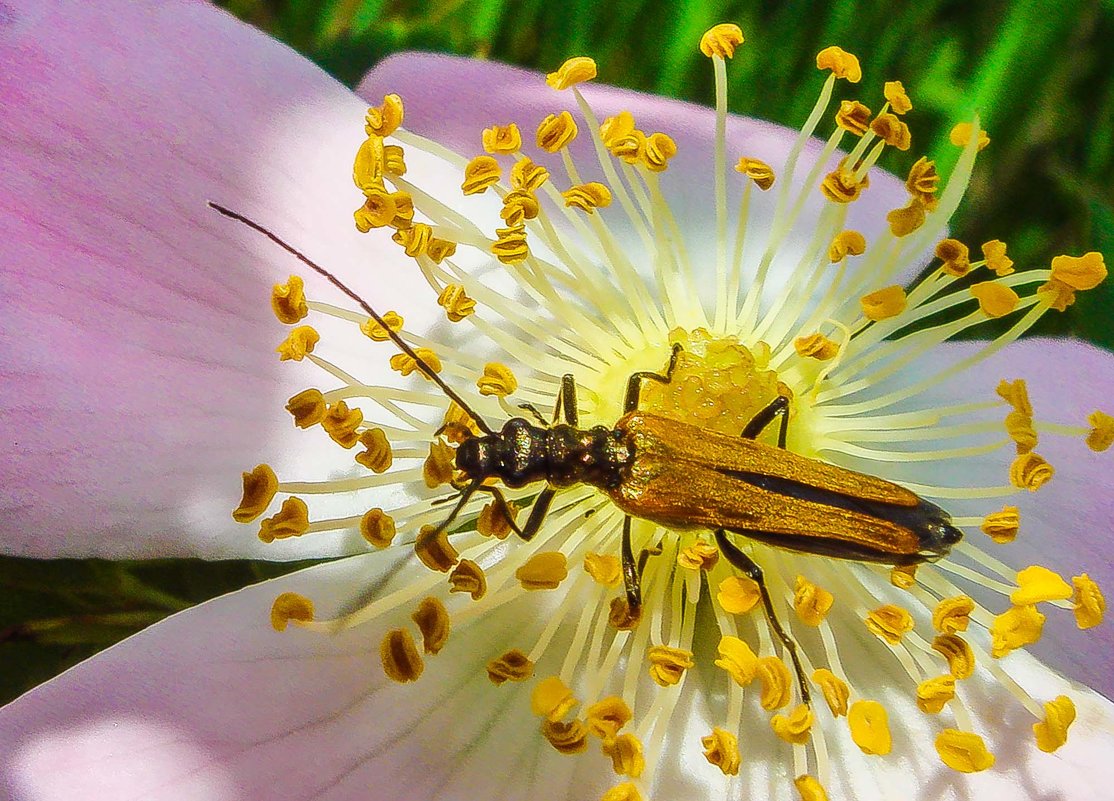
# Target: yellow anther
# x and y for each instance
(834, 689)
(497, 380)
(933, 693)
(605, 569)
(903, 577)
(923, 181)
(480, 173)
(511, 247)
(556, 131)
(1052, 732)
(290, 607)
(630, 148)
(795, 727)
(607, 716)
(414, 240)
(853, 117)
(626, 755)
(404, 209)
(456, 303)
(811, 602)
(961, 659)
(575, 70)
(587, 197)
(406, 364)
(884, 303)
(438, 466)
(721, 748)
(840, 62)
(616, 128)
(1002, 526)
(963, 751)
(378, 211)
(383, 120)
(1101, 435)
(907, 219)
(961, 134)
(776, 682)
(889, 623)
(846, 243)
(810, 789)
(841, 185)
(458, 425)
(897, 98)
(622, 792)
(891, 130)
(1087, 601)
(433, 548)
(1015, 628)
(377, 457)
(543, 571)
(953, 614)
(756, 170)
(700, 555)
(994, 252)
(870, 727)
(260, 486)
(551, 699)
(432, 620)
(511, 666)
(1020, 428)
(288, 301)
(816, 346)
(737, 595)
(519, 205)
(394, 162)
(468, 577)
(1036, 584)
(307, 407)
(737, 658)
(1057, 295)
(527, 175)
(1079, 272)
(400, 657)
(721, 40)
(955, 256)
(439, 249)
(567, 737)
(660, 148)
(620, 616)
(340, 423)
(378, 333)
(667, 664)
(502, 139)
(1030, 471)
(995, 300)
(370, 164)
(377, 527)
(292, 520)
(1016, 394)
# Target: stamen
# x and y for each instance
(963, 751)
(870, 728)
(290, 607)
(400, 657)
(260, 487)
(1052, 732)
(432, 620)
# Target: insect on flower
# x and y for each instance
(672, 494)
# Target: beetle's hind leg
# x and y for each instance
(778, 407)
(752, 571)
(632, 576)
(634, 383)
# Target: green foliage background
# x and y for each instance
(1037, 71)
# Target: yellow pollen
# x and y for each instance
(737, 658)
(721, 748)
(834, 689)
(700, 555)
(667, 664)
(841, 186)
(960, 657)
(903, 576)
(587, 197)
(288, 301)
(414, 240)
(468, 577)
(377, 457)
(1015, 628)
(622, 792)
(1036, 584)
(292, 520)
(432, 620)
(404, 210)
(433, 548)
(400, 657)
(811, 602)
(556, 131)
(307, 407)
(301, 341)
(566, 737)
(810, 789)
(394, 162)
(841, 63)
(519, 205)
(963, 751)
(794, 728)
(406, 364)
(290, 607)
(923, 181)
(884, 303)
(907, 219)
(737, 595)
(511, 247)
(370, 164)
(994, 252)
(457, 425)
(955, 255)
(604, 568)
(953, 615)
(551, 699)
(776, 682)
(543, 571)
(720, 41)
(380, 208)
(437, 250)
(260, 486)
(615, 128)
(891, 130)
(1056, 294)
(527, 175)
(626, 755)
(502, 139)
(995, 300)
(1002, 527)
(1101, 435)
(870, 727)
(756, 170)
(511, 666)
(497, 380)
(620, 616)
(384, 120)
(377, 527)
(961, 134)
(575, 70)
(438, 466)
(846, 243)
(495, 519)
(372, 330)
(1080, 273)
(1088, 602)
(1020, 428)
(456, 303)
(607, 716)
(895, 95)
(1052, 732)
(660, 148)
(853, 117)
(1030, 471)
(1016, 394)
(631, 148)
(816, 346)
(480, 174)
(934, 693)
(889, 623)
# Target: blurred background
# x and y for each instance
(1037, 71)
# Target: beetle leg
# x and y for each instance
(533, 410)
(567, 399)
(465, 494)
(634, 383)
(752, 571)
(537, 514)
(778, 407)
(632, 576)
(501, 499)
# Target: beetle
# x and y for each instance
(682, 476)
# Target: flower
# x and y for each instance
(216, 704)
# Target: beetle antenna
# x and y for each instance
(399, 343)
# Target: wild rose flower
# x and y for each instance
(807, 303)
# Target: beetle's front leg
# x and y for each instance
(778, 407)
(634, 383)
